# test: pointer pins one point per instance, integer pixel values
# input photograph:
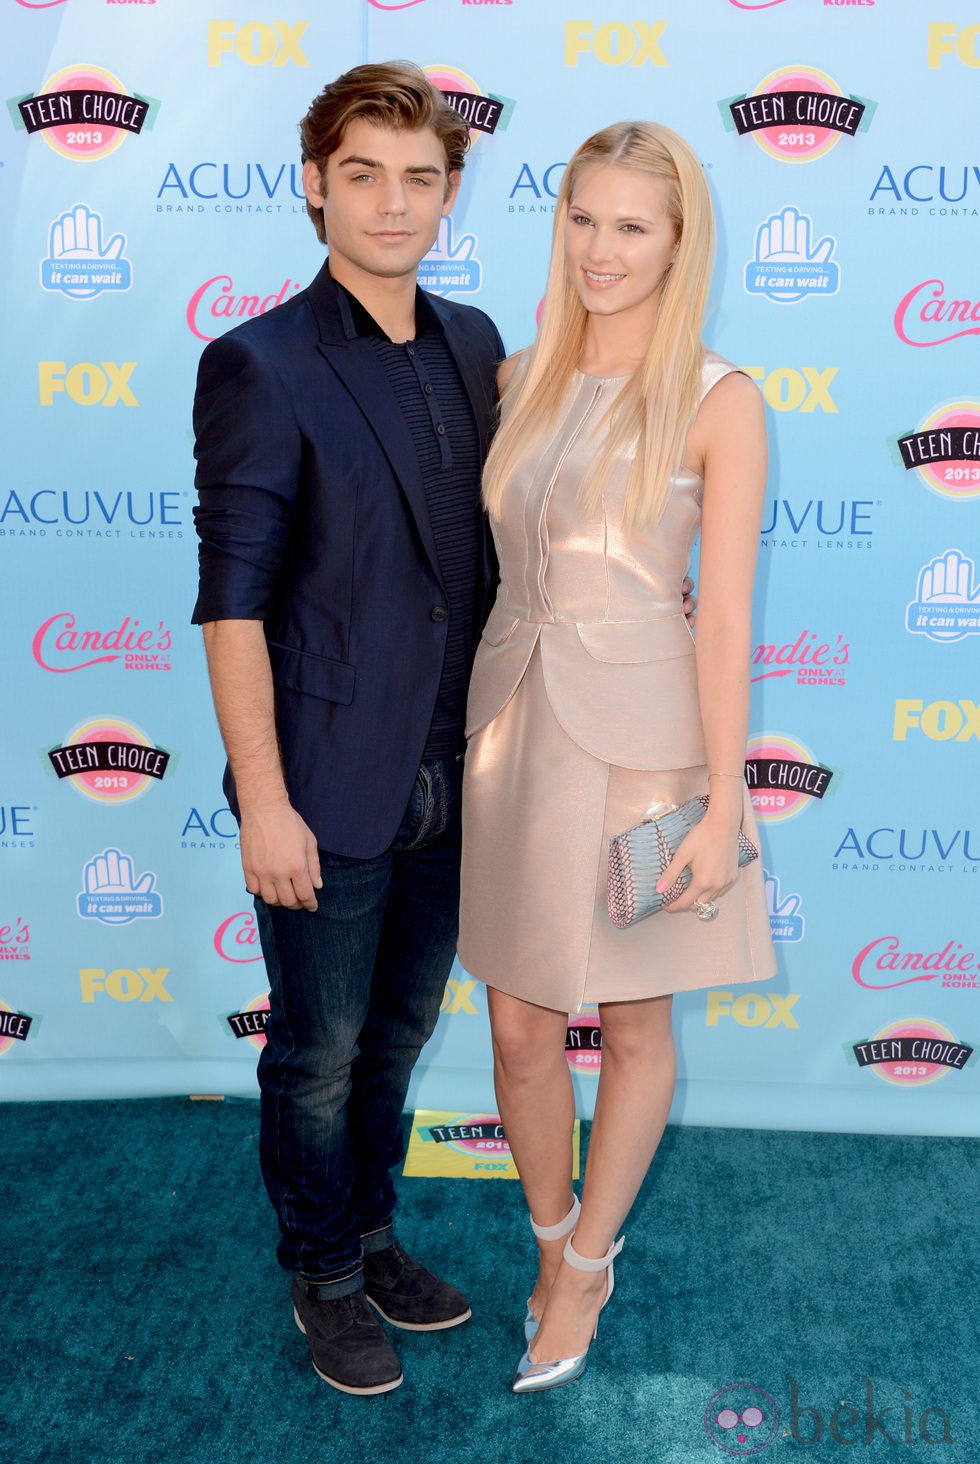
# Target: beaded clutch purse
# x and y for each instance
(639, 856)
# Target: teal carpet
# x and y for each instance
(145, 1320)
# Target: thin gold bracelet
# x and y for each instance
(727, 775)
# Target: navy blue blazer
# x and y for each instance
(312, 518)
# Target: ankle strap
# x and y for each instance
(564, 1227)
(586, 1263)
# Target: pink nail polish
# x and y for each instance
(661, 886)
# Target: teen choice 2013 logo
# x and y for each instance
(911, 1052)
(464, 95)
(84, 112)
(797, 114)
(945, 451)
(782, 776)
(109, 760)
(583, 1041)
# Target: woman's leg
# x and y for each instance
(636, 1085)
(537, 1108)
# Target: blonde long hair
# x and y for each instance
(651, 416)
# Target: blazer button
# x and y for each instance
(438, 612)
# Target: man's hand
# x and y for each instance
(280, 858)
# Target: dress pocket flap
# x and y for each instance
(501, 624)
(312, 675)
(629, 642)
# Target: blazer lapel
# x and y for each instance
(355, 363)
(477, 381)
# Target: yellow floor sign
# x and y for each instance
(465, 1146)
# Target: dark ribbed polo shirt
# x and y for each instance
(428, 388)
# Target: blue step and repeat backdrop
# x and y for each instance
(149, 178)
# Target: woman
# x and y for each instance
(620, 435)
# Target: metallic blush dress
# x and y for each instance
(583, 710)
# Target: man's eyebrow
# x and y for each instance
(356, 160)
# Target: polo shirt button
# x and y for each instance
(438, 612)
(441, 430)
(428, 389)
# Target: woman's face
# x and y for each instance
(619, 241)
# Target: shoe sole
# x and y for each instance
(347, 1387)
(421, 1326)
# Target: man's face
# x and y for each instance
(382, 198)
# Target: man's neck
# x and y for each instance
(391, 302)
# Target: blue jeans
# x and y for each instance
(355, 991)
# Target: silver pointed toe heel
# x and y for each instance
(550, 1232)
(535, 1377)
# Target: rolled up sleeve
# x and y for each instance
(249, 452)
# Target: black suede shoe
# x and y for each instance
(350, 1351)
(409, 1296)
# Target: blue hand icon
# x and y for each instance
(112, 893)
(785, 236)
(451, 265)
(78, 235)
(79, 265)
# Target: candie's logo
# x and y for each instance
(59, 645)
(881, 966)
(15, 940)
(109, 760)
(785, 267)
(583, 1041)
(616, 43)
(85, 113)
(78, 264)
(237, 938)
(251, 1021)
(782, 777)
(947, 599)
(216, 306)
(797, 114)
(926, 316)
(807, 660)
(911, 1052)
(945, 450)
(114, 894)
(482, 113)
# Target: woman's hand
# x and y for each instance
(711, 851)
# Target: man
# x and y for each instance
(344, 577)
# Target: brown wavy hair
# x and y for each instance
(394, 94)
